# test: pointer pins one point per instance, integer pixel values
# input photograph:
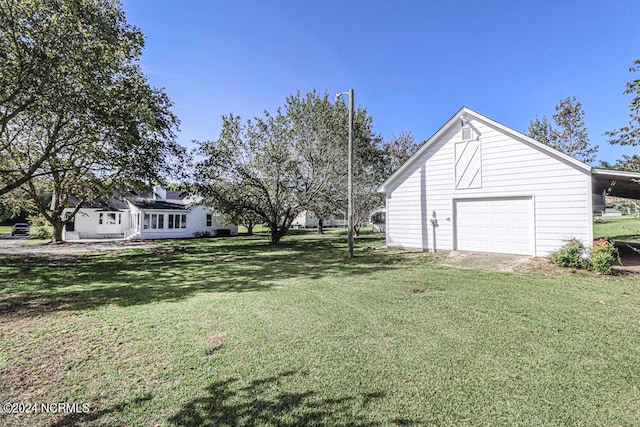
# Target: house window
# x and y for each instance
(100, 220)
(111, 218)
(154, 221)
(176, 221)
(209, 220)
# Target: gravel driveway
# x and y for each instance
(14, 245)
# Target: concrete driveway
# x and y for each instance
(9, 242)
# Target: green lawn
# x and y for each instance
(620, 228)
(233, 332)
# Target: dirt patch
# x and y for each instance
(17, 248)
(214, 343)
(494, 262)
(630, 262)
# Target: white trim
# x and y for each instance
(532, 226)
(590, 210)
(455, 120)
(615, 173)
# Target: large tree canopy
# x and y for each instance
(73, 64)
(278, 165)
(630, 134)
(398, 149)
(76, 112)
(570, 134)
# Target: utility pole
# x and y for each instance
(350, 172)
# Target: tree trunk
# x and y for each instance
(276, 235)
(57, 231)
(320, 226)
(250, 229)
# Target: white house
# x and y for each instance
(161, 215)
(478, 185)
(307, 219)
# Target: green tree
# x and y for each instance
(540, 130)
(319, 129)
(630, 134)
(99, 125)
(398, 149)
(626, 163)
(570, 135)
(56, 53)
(279, 165)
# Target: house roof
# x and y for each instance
(159, 204)
(464, 113)
(174, 200)
(112, 204)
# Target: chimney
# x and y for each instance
(160, 193)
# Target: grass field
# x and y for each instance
(620, 228)
(233, 332)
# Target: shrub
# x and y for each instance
(599, 258)
(39, 227)
(603, 255)
(572, 254)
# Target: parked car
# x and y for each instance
(20, 228)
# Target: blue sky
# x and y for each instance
(412, 64)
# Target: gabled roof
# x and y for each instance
(112, 204)
(175, 200)
(465, 112)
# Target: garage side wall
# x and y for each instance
(510, 167)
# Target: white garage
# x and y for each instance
(478, 185)
(503, 225)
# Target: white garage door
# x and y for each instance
(501, 225)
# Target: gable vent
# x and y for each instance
(466, 133)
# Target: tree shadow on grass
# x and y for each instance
(263, 402)
(174, 271)
(77, 418)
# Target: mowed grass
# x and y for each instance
(619, 228)
(231, 331)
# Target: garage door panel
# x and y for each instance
(495, 225)
(499, 217)
(501, 231)
(520, 232)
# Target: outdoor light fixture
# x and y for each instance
(350, 171)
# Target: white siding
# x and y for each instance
(196, 222)
(404, 214)
(86, 224)
(510, 168)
